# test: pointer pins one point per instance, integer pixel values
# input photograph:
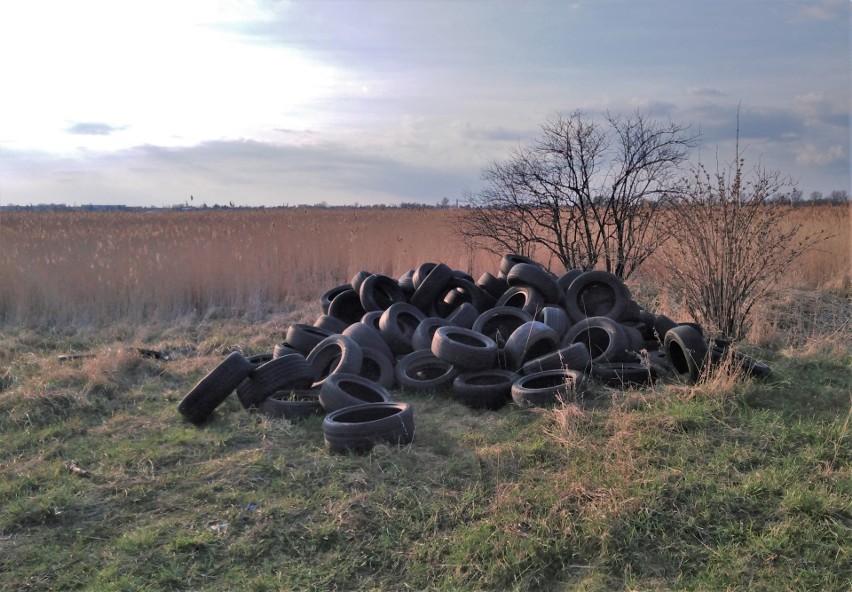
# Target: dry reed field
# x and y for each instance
(60, 268)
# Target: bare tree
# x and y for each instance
(730, 243)
(585, 191)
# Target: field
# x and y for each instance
(732, 484)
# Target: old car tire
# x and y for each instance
(198, 404)
(344, 390)
(358, 429)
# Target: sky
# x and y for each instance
(266, 102)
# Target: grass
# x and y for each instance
(731, 484)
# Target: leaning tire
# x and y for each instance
(333, 355)
(604, 339)
(572, 357)
(622, 374)
(287, 372)
(532, 274)
(345, 390)
(596, 294)
(687, 351)
(526, 298)
(213, 389)
(377, 367)
(397, 325)
(500, 322)
(547, 388)
(531, 340)
(360, 428)
(305, 337)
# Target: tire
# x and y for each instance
(283, 349)
(464, 348)
(687, 351)
(604, 339)
(425, 331)
(346, 306)
(305, 337)
(659, 362)
(500, 322)
(377, 367)
(258, 359)
(464, 316)
(571, 357)
(420, 272)
(406, 283)
(635, 341)
(485, 389)
(345, 390)
(198, 404)
(564, 281)
(331, 324)
(333, 355)
(325, 299)
(738, 362)
(492, 285)
(661, 325)
(285, 373)
(622, 374)
(556, 318)
(421, 370)
(548, 388)
(397, 325)
(456, 292)
(372, 317)
(359, 428)
(368, 336)
(532, 274)
(596, 294)
(526, 298)
(292, 405)
(509, 260)
(531, 340)
(378, 292)
(430, 286)
(358, 279)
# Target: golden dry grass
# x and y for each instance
(58, 268)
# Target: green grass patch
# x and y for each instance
(728, 485)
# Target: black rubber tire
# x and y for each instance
(305, 337)
(635, 341)
(333, 355)
(346, 306)
(493, 285)
(603, 337)
(378, 292)
(406, 283)
(292, 405)
(500, 322)
(697, 326)
(425, 331)
(358, 279)
(719, 354)
(687, 351)
(368, 336)
(283, 349)
(325, 299)
(345, 390)
(258, 359)
(456, 292)
(358, 429)
(465, 349)
(377, 367)
(430, 286)
(420, 272)
(397, 325)
(372, 318)
(509, 260)
(623, 374)
(532, 274)
(548, 388)
(421, 370)
(662, 324)
(531, 340)
(556, 318)
(198, 404)
(287, 372)
(571, 357)
(596, 294)
(331, 324)
(485, 389)
(464, 316)
(658, 360)
(526, 298)
(564, 281)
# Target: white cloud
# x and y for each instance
(812, 155)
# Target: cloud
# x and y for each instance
(821, 10)
(92, 128)
(811, 155)
(705, 93)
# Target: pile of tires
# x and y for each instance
(523, 335)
